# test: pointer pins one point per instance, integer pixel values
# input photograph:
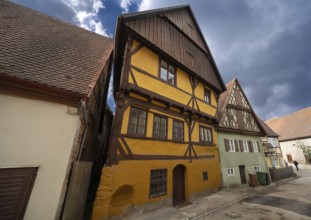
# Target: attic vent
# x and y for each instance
(189, 24)
(189, 53)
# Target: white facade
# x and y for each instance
(290, 148)
(38, 133)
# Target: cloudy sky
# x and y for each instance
(266, 44)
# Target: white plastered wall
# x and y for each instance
(34, 132)
(289, 147)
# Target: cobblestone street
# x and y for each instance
(285, 199)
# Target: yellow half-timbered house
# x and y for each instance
(163, 147)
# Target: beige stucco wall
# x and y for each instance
(34, 132)
(289, 147)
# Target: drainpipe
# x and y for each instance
(84, 112)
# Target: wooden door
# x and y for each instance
(289, 158)
(15, 189)
(178, 185)
(242, 174)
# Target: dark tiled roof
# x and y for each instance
(44, 50)
(267, 129)
(223, 99)
(293, 126)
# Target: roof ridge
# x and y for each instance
(57, 19)
(289, 114)
(130, 14)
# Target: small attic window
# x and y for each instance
(189, 50)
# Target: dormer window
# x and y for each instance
(167, 72)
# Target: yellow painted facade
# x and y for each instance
(111, 201)
(127, 183)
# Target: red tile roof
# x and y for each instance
(269, 132)
(44, 50)
(293, 126)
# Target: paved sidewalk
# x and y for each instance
(204, 206)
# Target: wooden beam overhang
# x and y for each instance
(26, 88)
(169, 103)
(171, 59)
(239, 131)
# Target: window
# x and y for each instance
(167, 72)
(207, 96)
(178, 130)
(272, 141)
(230, 172)
(159, 126)
(255, 146)
(206, 135)
(245, 146)
(137, 122)
(274, 162)
(205, 176)
(257, 169)
(231, 145)
(158, 182)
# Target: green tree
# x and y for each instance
(306, 149)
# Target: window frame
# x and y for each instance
(200, 136)
(255, 147)
(129, 122)
(245, 146)
(231, 146)
(205, 176)
(183, 130)
(166, 127)
(158, 182)
(167, 68)
(207, 93)
(257, 169)
(230, 173)
(275, 159)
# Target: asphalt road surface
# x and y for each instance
(290, 200)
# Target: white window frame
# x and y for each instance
(230, 172)
(275, 162)
(257, 168)
(245, 146)
(231, 145)
(255, 147)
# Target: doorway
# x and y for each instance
(179, 185)
(242, 174)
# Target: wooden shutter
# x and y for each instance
(258, 146)
(15, 189)
(236, 143)
(227, 147)
(241, 145)
(250, 146)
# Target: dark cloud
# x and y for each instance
(265, 44)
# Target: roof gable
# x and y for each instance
(293, 126)
(185, 21)
(235, 112)
(168, 30)
(48, 52)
